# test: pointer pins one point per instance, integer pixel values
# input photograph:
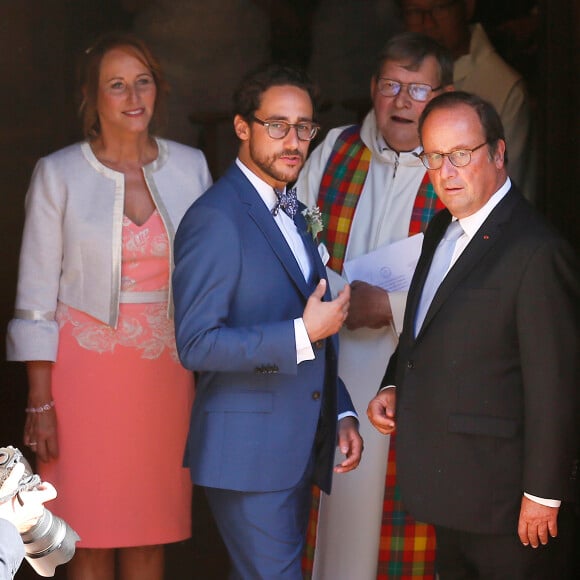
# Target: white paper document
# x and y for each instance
(391, 266)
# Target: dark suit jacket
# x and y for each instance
(487, 394)
(11, 550)
(237, 290)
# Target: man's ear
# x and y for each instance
(242, 128)
(373, 87)
(499, 154)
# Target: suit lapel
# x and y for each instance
(485, 238)
(273, 235)
(259, 214)
(435, 233)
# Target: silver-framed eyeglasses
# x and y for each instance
(306, 130)
(457, 157)
(417, 91)
(416, 16)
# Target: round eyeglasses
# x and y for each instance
(306, 131)
(417, 91)
(458, 157)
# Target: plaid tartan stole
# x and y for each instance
(407, 547)
(426, 205)
(340, 189)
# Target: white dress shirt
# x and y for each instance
(288, 229)
(472, 223)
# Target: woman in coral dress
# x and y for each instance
(108, 405)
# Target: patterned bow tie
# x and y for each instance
(287, 201)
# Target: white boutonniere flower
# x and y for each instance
(313, 219)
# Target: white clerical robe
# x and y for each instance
(350, 518)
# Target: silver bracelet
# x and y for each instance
(41, 409)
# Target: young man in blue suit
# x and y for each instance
(255, 319)
(487, 368)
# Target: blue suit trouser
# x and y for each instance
(264, 532)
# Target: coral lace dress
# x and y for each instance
(123, 403)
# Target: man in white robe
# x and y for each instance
(349, 526)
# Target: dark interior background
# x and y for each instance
(205, 48)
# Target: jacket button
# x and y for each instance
(410, 364)
(316, 395)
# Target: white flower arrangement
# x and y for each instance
(313, 219)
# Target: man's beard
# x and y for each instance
(267, 165)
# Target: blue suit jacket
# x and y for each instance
(237, 290)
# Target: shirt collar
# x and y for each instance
(384, 146)
(472, 223)
(265, 190)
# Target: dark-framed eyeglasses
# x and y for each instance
(458, 157)
(416, 16)
(306, 130)
(417, 91)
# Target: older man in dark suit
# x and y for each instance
(487, 369)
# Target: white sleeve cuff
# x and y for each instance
(31, 340)
(304, 349)
(544, 501)
(347, 414)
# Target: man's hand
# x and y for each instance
(25, 509)
(323, 319)
(369, 307)
(381, 411)
(537, 523)
(350, 444)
